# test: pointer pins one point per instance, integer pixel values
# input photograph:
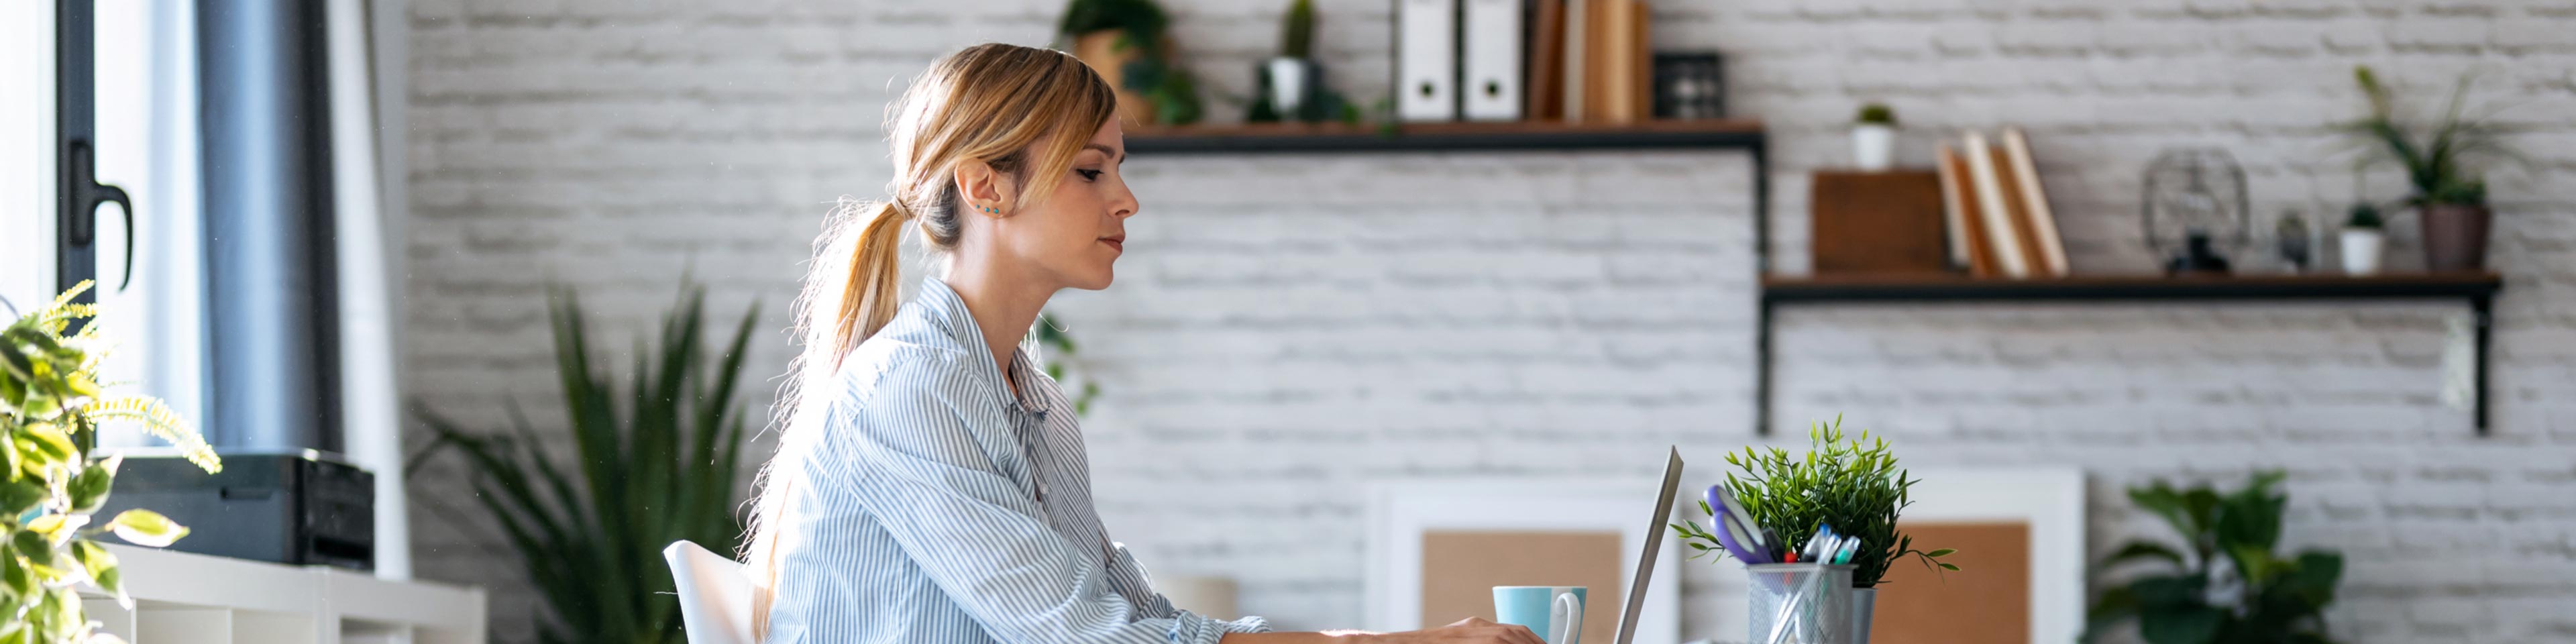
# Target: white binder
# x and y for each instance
(1426, 60)
(1490, 77)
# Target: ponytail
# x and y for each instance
(871, 292)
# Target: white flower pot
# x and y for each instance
(1287, 85)
(2361, 248)
(1873, 147)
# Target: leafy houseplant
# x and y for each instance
(1874, 138)
(2362, 240)
(1055, 341)
(51, 406)
(2225, 586)
(1125, 41)
(659, 470)
(1853, 486)
(2441, 169)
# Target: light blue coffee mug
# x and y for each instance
(1553, 612)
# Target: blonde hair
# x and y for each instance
(1023, 111)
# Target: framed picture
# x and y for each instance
(2020, 537)
(1436, 550)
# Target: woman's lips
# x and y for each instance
(1116, 243)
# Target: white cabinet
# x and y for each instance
(183, 598)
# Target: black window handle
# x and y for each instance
(87, 195)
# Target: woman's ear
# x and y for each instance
(987, 192)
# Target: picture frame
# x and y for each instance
(1401, 514)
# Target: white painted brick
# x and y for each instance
(1353, 318)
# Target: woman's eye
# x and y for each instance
(1089, 175)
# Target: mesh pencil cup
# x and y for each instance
(1799, 604)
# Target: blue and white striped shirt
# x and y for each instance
(935, 506)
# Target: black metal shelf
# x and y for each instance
(1436, 137)
(2478, 289)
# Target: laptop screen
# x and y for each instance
(1654, 544)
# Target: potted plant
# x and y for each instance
(2447, 191)
(2362, 240)
(51, 406)
(1125, 41)
(660, 470)
(1289, 79)
(2224, 585)
(1874, 138)
(1853, 487)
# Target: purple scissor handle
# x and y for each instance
(1736, 530)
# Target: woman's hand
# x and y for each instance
(1472, 630)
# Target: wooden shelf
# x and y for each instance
(1424, 137)
(1924, 288)
(2477, 289)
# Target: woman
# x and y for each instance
(931, 484)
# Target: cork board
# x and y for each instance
(1460, 569)
(1986, 602)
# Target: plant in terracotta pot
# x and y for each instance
(1125, 41)
(2362, 240)
(1874, 138)
(1853, 487)
(2225, 584)
(2442, 169)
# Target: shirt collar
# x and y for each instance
(947, 312)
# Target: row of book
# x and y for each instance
(1511, 60)
(1994, 209)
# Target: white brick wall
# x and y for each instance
(1291, 327)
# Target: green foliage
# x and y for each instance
(1877, 113)
(1297, 30)
(1056, 342)
(1853, 486)
(2440, 170)
(2364, 216)
(1141, 25)
(51, 408)
(2225, 585)
(661, 471)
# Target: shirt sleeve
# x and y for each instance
(919, 458)
(1131, 580)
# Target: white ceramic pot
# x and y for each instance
(1873, 147)
(1287, 85)
(2361, 248)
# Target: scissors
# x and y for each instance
(1736, 529)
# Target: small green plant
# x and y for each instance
(1297, 30)
(51, 406)
(1141, 25)
(1876, 114)
(2364, 216)
(2225, 585)
(2442, 168)
(1058, 346)
(1853, 486)
(661, 471)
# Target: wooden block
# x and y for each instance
(1877, 222)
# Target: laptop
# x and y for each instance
(1654, 544)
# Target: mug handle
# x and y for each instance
(1565, 617)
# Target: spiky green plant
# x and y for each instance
(52, 406)
(1853, 486)
(1876, 114)
(1297, 30)
(2443, 169)
(2225, 586)
(660, 471)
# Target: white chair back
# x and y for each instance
(715, 594)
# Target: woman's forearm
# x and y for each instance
(1327, 637)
